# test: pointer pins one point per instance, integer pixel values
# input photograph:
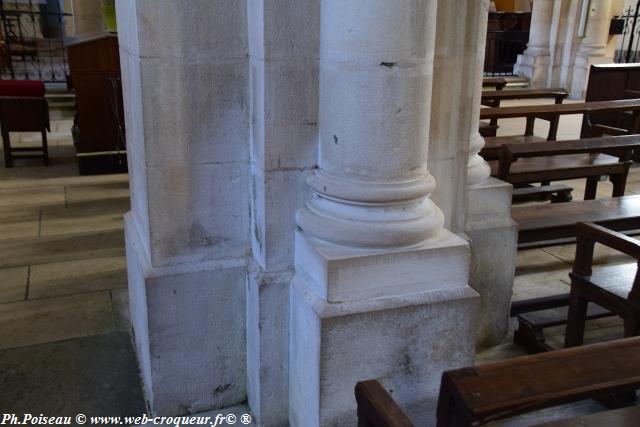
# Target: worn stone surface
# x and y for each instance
(187, 322)
(54, 319)
(268, 346)
(92, 375)
(74, 277)
(13, 284)
(332, 348)
(494, 236)
(17, 252)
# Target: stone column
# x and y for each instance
(380, 289)
(185, 74)
(489, 226)
(87, 16)
(283, 57)
(534, 61)
(593, 48)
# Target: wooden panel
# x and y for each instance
(95, 73)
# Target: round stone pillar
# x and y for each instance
(592, 49)
(534, 61)
(478, 170)
(541, 15)
(372, 185)
(596, 36)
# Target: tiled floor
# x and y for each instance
(64, 322)
(63, 296)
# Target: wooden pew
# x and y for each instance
(498, 82)
(609, 287)
(477, 395)
(493, 99)
(552, 114)
(529, 163)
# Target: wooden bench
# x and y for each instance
(498, 82)
(477, 395)
(610, 287)
(493, 98)
(529, 163)
(552, 114)
(555, 224)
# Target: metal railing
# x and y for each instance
(32, 40)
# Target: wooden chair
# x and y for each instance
(606, 288)
(23, 108)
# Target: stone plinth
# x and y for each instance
(494, 237)
(188, 326)
(400, 316)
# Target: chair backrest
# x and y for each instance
(28, 88)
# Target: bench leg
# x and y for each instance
(529, 128)
(619, 183)
(631, 326)
(576, 320)
(591, 187)
(6, 145)
(45, 148)
(553, 128)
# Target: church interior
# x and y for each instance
(317, 213)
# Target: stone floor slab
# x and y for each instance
(32, 196)
(13, 284)
(118, 190)
(89, 217)
(20, 252)
(55, 319)
(17, 222)
(92, 376)
(78, 276)
(120, 306)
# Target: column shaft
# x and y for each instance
(372, 185)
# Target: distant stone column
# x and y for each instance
(87, 16)
(534, 61)
(592, 50)
(372, 254)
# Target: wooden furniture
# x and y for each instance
(610, 82)
(618, 293)
(498, 82)
(493, 98)
(555, 224)
(552, 114)
(477, 395)
(376, 408)
(23, 108)
(522, 164)
(99, 125)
